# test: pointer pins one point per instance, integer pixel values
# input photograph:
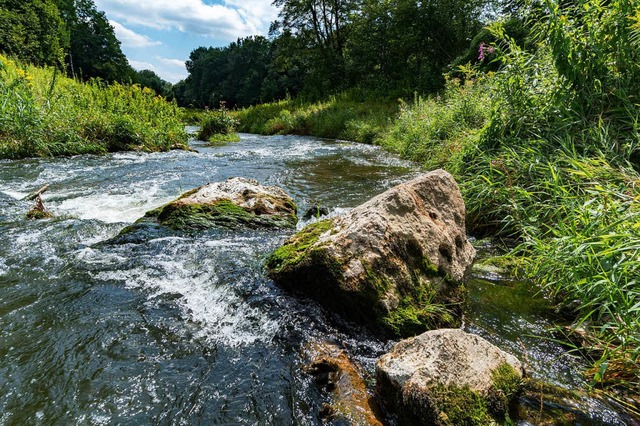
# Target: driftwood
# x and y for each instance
(36, 194)
(39, 211)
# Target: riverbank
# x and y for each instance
(563, 195)
(45, 114)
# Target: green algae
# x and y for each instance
(298, 247)
(452, 405)
(223, 213)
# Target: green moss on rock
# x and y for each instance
(222, 213)
(452, 405)
(36, 214)
(297, 248)
(506, 385)
(459, 406)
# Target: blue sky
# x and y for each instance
(159, 34)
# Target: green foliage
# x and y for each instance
(219, 122)
(224, 139)
(555, 169)
(148, 78)
(416, 315)
(69, 34)
(33, 31)
(440, 129)
(46, 114)
(94, 50)
(294, 250)
(345, 116)
(240, 74)
(398, 45)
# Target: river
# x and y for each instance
(184, 328)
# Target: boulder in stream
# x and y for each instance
(344, 381)
(394, 263)
(448, 377)
(236, 202)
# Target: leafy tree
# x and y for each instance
(33, 31)
(404, 44)
(322, 29)
(94, 50)
(148, 78)
(241, 74)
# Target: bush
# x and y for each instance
(219, 122)
(46, 114)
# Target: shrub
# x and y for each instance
(46, 114)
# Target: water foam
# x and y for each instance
(205, 298)
(125, 205)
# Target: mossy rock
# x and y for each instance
(449, 377)
(219, 214)
(235, 203)
(395, 264)
(452, 405)
(294, 251)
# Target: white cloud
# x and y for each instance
(171, 62)
(130, 38)
(170, 76)
(140, 65)
(234, 18)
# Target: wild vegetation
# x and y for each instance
(44, 113)
(541, 129)
(539, 126)
(72, 36)
(553, 165)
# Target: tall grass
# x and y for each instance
(556, 168)
(43, 113)
(348, 116)
(436, 131)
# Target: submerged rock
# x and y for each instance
(394, 263)
(234, 202)
(448, 377)
(315, 212)
(335, 373)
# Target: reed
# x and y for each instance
(43, 113)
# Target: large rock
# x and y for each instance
(447, 377)
(234, 202)
(344, 380)
(394, 263)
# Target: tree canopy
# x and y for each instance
(320, 47)
(69, 34)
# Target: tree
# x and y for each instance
(94, 50)
(33, 31)
(322, 28)
(148, 78)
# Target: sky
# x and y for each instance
(160, 34)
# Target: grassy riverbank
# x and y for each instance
(547, 153)
(43, 113)
(350, 116)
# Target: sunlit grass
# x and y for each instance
(43, 113)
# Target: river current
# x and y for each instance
(185, 328)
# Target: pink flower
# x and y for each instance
(484, 49)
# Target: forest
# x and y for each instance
(70, 35)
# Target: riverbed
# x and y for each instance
(185, 328)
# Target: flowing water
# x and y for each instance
(184, 328)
